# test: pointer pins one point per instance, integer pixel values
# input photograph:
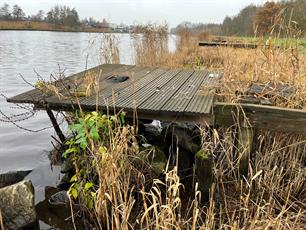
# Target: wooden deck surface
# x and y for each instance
(156, 93)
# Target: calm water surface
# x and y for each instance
(24, 53)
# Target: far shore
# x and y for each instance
(44, 26)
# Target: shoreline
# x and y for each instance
(44, 26)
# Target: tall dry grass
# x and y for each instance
(1, 222)
(150, 43)
(242, 67)
(109, 51)
(129, 195)
(271, 197)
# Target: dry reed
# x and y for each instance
(150, 43)
(1, 222)
(273, 194)
(109, 51)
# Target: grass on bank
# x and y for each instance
(275, 41)
(118, 189)
(44, 26)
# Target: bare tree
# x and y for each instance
(5, 12)
(18, 13)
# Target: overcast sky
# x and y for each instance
(142, 11)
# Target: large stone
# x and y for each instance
(17, 205)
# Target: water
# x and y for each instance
(24, 53)
(29, 53)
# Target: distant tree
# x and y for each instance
(63, 15)
(241, 24)
(72, 18)
(298, 10)
(40, 15)
(227, 26)
(246, 20)
(5, 13)
(267, 17)
(210, 28)
(17, 13)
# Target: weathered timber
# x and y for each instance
(204, 172)
(261, 117)
(229, 44)
(155, 93)
(55, 125)
(243, 148)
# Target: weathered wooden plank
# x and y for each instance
(230, 44)
(244, 148)
(92, 99)
(125, 95)
(262, 117)
(36, 95)
(202, 101)
(138, 85)
(161, 96)
(107, 88)
(182, 97)
(146, 92)
(204, 172)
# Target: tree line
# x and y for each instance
(279, 17)
(60, 15)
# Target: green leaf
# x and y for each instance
(78, 141)
(73, 178)
(73, 192)
(122, 118)
(83, 145)
(70, 150)
(87, 117)
(94, 113)
(90, 203)
(88, 185)
(102, 149)
(94, 134)
(93, 194)
(80, 135)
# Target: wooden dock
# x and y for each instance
(156, 93)
(229, 44)
(178, 95)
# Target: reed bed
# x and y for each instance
(128, 194)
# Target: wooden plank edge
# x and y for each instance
(261, 117)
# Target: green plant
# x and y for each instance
(91, 136)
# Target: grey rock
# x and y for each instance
(154, 127)
(59, 198)
(17, 205)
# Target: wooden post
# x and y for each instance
(203, 173)
(55, 125)
(244, 148)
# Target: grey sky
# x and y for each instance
(142, 11)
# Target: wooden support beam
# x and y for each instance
(230, 44)
(261, 117)
(244, 143)
(204, 173)
(55, 125)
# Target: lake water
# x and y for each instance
(27, 53)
